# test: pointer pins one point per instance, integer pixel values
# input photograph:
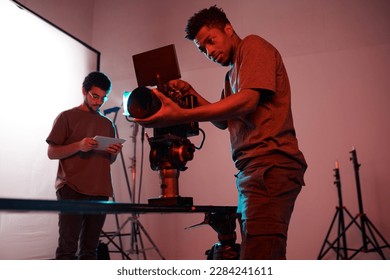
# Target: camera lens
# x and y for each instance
(143, 103)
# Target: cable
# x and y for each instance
(204, 138)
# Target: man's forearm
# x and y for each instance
(62, 151)
(202, 101)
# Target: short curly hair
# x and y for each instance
(210, 17)
(97, 79)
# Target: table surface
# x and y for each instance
(107, 207)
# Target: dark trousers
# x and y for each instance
(78, 233)
(266, 201)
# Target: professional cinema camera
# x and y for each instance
(170, 149)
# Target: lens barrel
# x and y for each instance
(143, 103)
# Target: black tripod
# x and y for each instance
(370, 234)
(339, 245)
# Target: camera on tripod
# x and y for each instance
(170, 148)
(156, 68)
(142, 103)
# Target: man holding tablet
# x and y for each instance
(84, 171)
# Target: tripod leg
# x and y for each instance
(135, 237)
(322, 252)
(150, 240)
(372, 229)
(342, 241)
(116, 246)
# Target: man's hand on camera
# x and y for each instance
(186, 89)
(181, 86)
(169, 114)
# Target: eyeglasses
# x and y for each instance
(94, 96)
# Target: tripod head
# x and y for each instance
(169, 155)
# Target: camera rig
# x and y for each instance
(170, 148)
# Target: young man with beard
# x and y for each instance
(83, 171)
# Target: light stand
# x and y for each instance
(111, 235)
(136, 228)
(370, 234)
(339, 245)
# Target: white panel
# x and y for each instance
(41, 70)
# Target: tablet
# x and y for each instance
(104, 142)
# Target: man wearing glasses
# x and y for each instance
(83, 171)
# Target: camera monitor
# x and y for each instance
(157, 66)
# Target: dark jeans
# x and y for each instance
(75, 229)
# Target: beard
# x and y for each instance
(92, 107)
